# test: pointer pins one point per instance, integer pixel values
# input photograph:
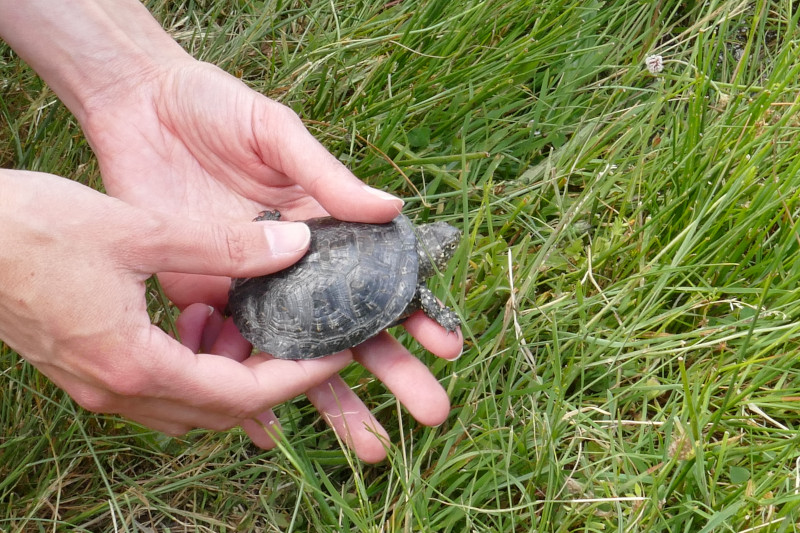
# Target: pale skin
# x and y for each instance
(188, 155)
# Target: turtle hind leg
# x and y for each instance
(441, 314)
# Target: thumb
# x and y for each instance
(235, 250)
(284, 143)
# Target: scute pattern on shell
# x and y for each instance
(355, 281)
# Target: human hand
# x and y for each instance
(184, 138)
(192, 140)
(72, 303)
(403, 374)
(212, 162)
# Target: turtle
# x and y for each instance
(355, 280)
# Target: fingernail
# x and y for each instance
(286, 237)
(383, 195)
(210, 310)
(459, 355)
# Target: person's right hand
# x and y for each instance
(72, 302)
(416, 388)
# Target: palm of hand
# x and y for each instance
(204, 146)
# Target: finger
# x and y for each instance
(157, 413)
(204, 329)
(190, 325)
(350, 419)
(263, 430)
(435, 339)
(198, 326)
(211, 331)
(167, 428)
(220, 385)
(169, 244)
(230, 343)
(283, 143)
(186, 289)
(406, 376)
(172, 418)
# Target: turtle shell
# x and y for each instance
(355, 280)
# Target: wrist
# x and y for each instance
(88, 51)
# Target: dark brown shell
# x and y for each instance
(356, 280)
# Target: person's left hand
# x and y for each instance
(192, 140)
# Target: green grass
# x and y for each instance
(628, 279)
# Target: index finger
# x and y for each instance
(284, 143)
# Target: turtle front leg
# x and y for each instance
(441, 314)
(268, 215)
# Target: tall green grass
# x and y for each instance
(628, 277)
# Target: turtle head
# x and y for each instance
(436, 244)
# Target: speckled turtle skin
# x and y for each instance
(355, 281)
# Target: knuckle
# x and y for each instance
(250, 412)
(94, 400)
(282, 132)
(130, 385)
(286, 114)
(274, 119)
(127, 380)
(177, 430)
(231, 245)
(220, 424)
(246, 407)
(234, 413)
(134, 242)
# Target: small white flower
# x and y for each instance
(655, 63)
